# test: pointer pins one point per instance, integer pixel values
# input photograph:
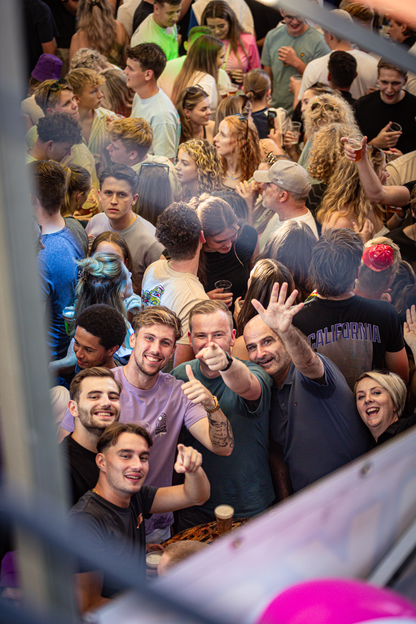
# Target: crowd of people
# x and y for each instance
(228, 280)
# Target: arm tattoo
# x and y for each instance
(220, 430)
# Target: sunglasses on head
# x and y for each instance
(57, 86)
(192, 91)
(154, 164)
(241, 117)
(327, 107)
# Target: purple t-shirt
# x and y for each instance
(161, 411)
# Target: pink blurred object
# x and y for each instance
(336, 601)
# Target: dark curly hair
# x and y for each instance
(104, 322)
(60, 128)
(178, 229)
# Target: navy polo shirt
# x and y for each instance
(317, 425)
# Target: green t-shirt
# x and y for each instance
(243, 479)
(150, 32)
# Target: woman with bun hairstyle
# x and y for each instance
(257, 88)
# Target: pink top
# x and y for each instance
(246, 59)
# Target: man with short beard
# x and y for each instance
(94, 404)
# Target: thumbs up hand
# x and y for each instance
(213, 356)
(196, 392)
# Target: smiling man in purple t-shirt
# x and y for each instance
(162, 404)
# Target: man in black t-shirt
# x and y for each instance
(94, 404)
(376, 111)
(356, 334)
(118, 504)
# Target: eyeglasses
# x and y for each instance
(193, 91)
(57, 86)
(327, 107)
(292, 18)
(154, 164)
(241, 117)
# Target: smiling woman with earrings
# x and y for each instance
(195, 114)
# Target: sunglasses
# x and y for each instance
(327, 107)
(154, 164)
(193, 91)
(57, 86)
(241, 117)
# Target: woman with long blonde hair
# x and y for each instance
(345, 203)
(237, 143)
(98, 29)
(198, 168)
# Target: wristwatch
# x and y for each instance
(215, 408)
(230, 361)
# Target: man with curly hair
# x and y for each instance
(174, 283)
(56, 136)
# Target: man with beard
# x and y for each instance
(161, 404)
(313, 416)
(94, 404)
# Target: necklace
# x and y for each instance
(233, 177)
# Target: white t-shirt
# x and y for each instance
(317, 71)
(177, 291)
(161, 114)
(275, 224)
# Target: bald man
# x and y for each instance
(313, 417)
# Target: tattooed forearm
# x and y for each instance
(220, 430)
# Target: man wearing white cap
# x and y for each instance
(285, 189)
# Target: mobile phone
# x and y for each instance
(271, 116)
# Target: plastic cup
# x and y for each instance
(226, 285)
(224, 515)
(394, 127)
(295, 130)
(356, 142)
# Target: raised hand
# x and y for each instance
(213, 356)
(196, 392)
(349, 152)
(409, 329)
(188, 460)
(279, 313)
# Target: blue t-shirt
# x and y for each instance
(58, 278)
(243, 479)
(317, 425)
